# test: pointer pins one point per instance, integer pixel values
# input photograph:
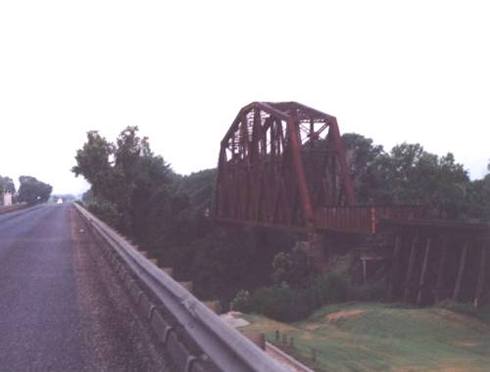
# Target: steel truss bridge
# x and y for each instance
(284, 165)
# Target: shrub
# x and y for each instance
(106, 211)
(288, 304)
(331, 287)
(291, 268)
(280, 303)
(374, 291)
(241, 302)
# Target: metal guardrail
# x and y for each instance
(223, 348)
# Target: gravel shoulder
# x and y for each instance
(113, 337)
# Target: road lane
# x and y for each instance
(57, 311)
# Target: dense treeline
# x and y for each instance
(409, 174)
(168, 214)
(31, 190)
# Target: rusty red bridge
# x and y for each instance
(284, 165)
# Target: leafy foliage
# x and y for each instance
(138, 193)
(168, 214)
(409, 174)
(32, 191)
(291, 268)
(241, 302)
(478, 197)
(126, 178)
(7, 185)
(364, 159)
(288, 304)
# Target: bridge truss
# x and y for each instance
(284, 165)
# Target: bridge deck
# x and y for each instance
(355, 220)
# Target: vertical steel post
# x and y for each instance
(304, 194)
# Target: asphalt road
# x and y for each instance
(61, 309)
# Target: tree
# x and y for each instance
(93, 163)
(7, 185)
(478, 198)
(291, 268)
(417, 176)
(32, 191)
(125, 178)
(365, 163)
(407, 175)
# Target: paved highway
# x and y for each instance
(60, 307)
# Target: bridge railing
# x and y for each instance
(222, 347)
(363, 219)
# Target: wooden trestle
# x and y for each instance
(432, 261)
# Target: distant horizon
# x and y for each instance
(471, 174)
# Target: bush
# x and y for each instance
(374, 291)
(288, 304)
(280, 303)
(291, 268)
(106, 211)
(331, 287)
(241, 302)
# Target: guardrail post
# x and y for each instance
(258, 338)
(214, 306)
(187, 285)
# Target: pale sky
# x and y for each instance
(416, 71)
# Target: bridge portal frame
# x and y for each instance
(277, 162)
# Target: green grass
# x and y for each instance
(374, 337)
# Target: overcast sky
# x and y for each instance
(416, 71)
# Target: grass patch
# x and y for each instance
(373, 337)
